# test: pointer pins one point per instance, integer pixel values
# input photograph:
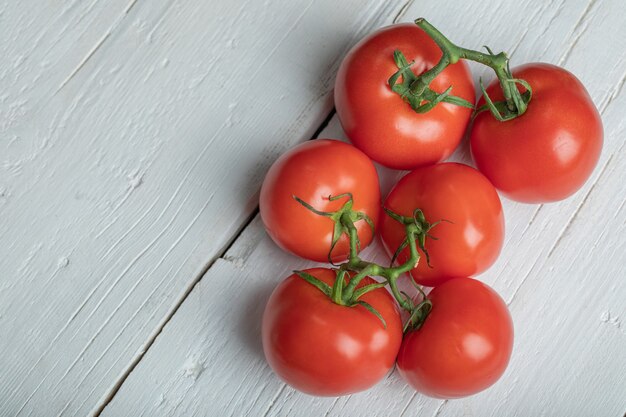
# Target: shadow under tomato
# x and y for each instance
(249, 321)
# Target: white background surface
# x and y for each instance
(134, 136)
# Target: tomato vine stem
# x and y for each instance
(415, 88)
(416, 230)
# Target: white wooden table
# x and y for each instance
(134, 136)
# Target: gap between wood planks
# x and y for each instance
(220, 255)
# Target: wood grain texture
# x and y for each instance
(133, 139)
(561, 272)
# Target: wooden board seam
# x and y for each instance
(220, 255)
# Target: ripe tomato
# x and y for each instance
(464, 345)
(313, 171)
(325, 349)
(548, 153)
(470, 238)
(378, 121)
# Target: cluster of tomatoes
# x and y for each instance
(335, 330)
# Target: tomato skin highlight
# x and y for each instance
(464, 345)
(378, 121)
(548, 153)
(313, 171)
(469, 239)
(324, 349)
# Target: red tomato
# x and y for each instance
(325, 349)
(471, 238)
(378, 121)
(548, 153)
(464, 345)
(313, 171)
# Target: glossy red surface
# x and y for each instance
(548, 153)
(471, 238)
(464, 345)
(325, 349)
(378, 121)
(313, 171)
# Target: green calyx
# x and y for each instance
(346, 295)
(415, 89)
(501, 109)
(419, 231)
(347, 292)
(343, 220)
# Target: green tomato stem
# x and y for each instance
(418, 91)
(404, 303)
(337, 289)
(347, 222)
(416, 229)
(390, 274)
(498, 62)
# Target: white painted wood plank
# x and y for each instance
(570, 347)
(561, 270)
(133, 138)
